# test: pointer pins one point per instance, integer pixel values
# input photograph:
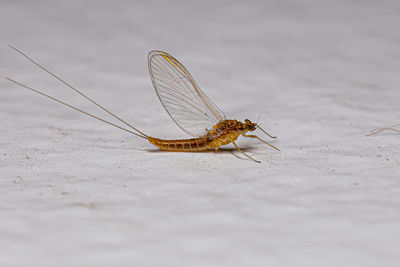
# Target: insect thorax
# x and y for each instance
(225, 132)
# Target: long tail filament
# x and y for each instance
(140, 134)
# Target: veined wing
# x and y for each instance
(181, 97)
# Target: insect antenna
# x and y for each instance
(259, 116)
(77, 109)
(76, 90)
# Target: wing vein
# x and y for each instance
(181, 97)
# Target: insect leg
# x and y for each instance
(244, 153)
(255, 136)
(258, 126)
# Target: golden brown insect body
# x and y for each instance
(222, 133)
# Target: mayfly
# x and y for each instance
(185, 103)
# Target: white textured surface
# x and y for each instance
(322, 74)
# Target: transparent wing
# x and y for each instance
(181, 97)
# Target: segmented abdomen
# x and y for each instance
(194, 145)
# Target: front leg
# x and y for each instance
(255, 136)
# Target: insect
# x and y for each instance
(391, 128)
(185, 103)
